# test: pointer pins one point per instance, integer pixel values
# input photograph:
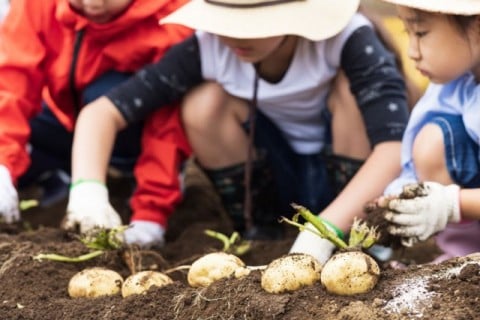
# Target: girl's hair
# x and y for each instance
(462, 22)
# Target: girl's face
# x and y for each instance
(253, 50)
(100, 11)
(440, 48)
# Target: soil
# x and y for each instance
(31, 289)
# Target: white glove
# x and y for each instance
(420, 217)
(88, 207)
(9, 211)
(145, 234)
(309, 243)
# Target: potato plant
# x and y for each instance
(98, 240)
(221, 264)
(350, 271)
(96, 281)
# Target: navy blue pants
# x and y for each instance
(52, 144)
(299, 178)
(461, 151)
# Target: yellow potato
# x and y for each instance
(94, 282)
(290, 272)
(140, 282)
(350, 273)
(214, 266)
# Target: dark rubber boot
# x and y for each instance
(229, 183)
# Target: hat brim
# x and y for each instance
(460, 7)
(312, 19)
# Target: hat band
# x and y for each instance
(251, 4)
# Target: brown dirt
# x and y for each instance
(31, 289)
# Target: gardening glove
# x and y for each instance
(418, 218)
(145, 234)
(88, 207)
(9, 211)
(309, 243)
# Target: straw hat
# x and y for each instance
(460, 7)
(312, 19)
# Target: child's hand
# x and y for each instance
(88, 207)
(145, 234)
(420, 217)
(9, 211)
(309, 243)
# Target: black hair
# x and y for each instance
(462, 22)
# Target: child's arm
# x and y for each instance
(469, 203)
(98, 124)
(152, 88)
(95, 132)
(88, 203)
(379, 91)
(378, 170)
(380, 94)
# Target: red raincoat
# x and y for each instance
(37, 53)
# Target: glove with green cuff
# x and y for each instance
(89, 207)
(310, 243)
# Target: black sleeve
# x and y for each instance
(159, 84)
(377, 85)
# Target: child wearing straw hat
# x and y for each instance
(254, 82)
(440, 148)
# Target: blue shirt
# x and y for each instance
(458, 97)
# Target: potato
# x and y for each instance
(290, 272)
(349, 273)
(214, 266)
(140, 282)
(95, 282)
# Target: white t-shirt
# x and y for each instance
(296, 103)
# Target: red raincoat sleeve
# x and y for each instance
(21, 82)
(164, 148)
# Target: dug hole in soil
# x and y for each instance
(31, 289)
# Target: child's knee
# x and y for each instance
(207, 104)
(429, 154)
(203, 103)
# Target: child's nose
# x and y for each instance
(413, 49)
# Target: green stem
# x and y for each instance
(58, 257)
(219, 236)
(27, 204)
(320, 226)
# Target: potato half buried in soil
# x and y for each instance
(349, 273)
(290, 272)
(95, 282)
(140, 282)
(214, 266)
